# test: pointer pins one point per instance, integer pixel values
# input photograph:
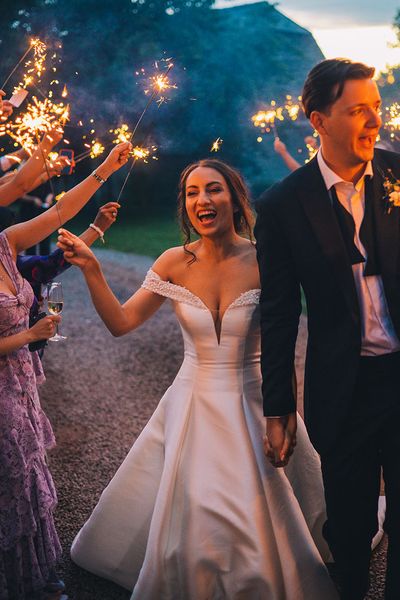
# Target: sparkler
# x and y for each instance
(38, 118)
(265, 119)
(94, 150)
(392, 119)
(216, 145)
(39, 48)
(122, 134)
(138, 153)
(292, 108)
(158, 84)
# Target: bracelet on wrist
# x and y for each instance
(98, 230)
(98, 178)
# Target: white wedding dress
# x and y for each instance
(196, 512)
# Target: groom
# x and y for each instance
(333, 228)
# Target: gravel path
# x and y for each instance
(99, 394)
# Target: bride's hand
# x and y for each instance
(75, 250)
(280, 439)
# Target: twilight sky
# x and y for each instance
(357, 29)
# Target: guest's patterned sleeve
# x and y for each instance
(42, 269)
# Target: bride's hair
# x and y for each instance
(243, 216)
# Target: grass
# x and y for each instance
(149, 237)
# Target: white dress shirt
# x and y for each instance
(378, 335)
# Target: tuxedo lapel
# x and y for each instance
(317, 205)
(386, 224)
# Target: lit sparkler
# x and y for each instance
(265, 119)
(39, 49)
(38, 118)
(292, 108)
(138, 153)
(216, 145)
(94, 150)
(158, 84)
(122, 134)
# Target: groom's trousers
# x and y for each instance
(368, 444)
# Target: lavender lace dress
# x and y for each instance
(29, 545)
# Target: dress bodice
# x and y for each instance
(238, 345)
(20, 370)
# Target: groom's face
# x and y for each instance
(349, 128)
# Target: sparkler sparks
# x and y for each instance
(96, 150)
(392, 119)
(122, 134)
(38, 118)
(39, 49)
(216, 145)
(160, 83)
(266, 119)
(143, 153)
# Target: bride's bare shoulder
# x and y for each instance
(170, 262)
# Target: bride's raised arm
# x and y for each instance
(119, 319)
(25, 235)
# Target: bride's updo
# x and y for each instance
(243, 216)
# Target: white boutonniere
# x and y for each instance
(391, 185)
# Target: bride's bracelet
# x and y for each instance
(98, 230)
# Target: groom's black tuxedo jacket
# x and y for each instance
(299, 243)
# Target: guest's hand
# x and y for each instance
(51, 138)
(6, 108)
(279, 146)
(75, 250)
(115, 160)
(44, 329)
(55, 167)
(280, 439)
(107, 215)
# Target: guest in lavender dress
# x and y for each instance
(29, 545)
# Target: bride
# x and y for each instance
(196, 512)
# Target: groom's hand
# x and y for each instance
(280, 439)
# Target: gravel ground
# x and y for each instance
(99, 394)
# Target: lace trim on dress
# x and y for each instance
(154, 283)
(249, 297)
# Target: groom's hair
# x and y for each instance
(325, 82)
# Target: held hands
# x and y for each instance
(75, 250)
(44, 329)
(280, 439)
(116, 159)
(107, 215)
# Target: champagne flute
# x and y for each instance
(55, 304)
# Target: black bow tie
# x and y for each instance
(367, 231)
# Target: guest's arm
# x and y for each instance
(43, 269)
(13, 159)
(290, 162)
(25, 235)
(25, 178)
